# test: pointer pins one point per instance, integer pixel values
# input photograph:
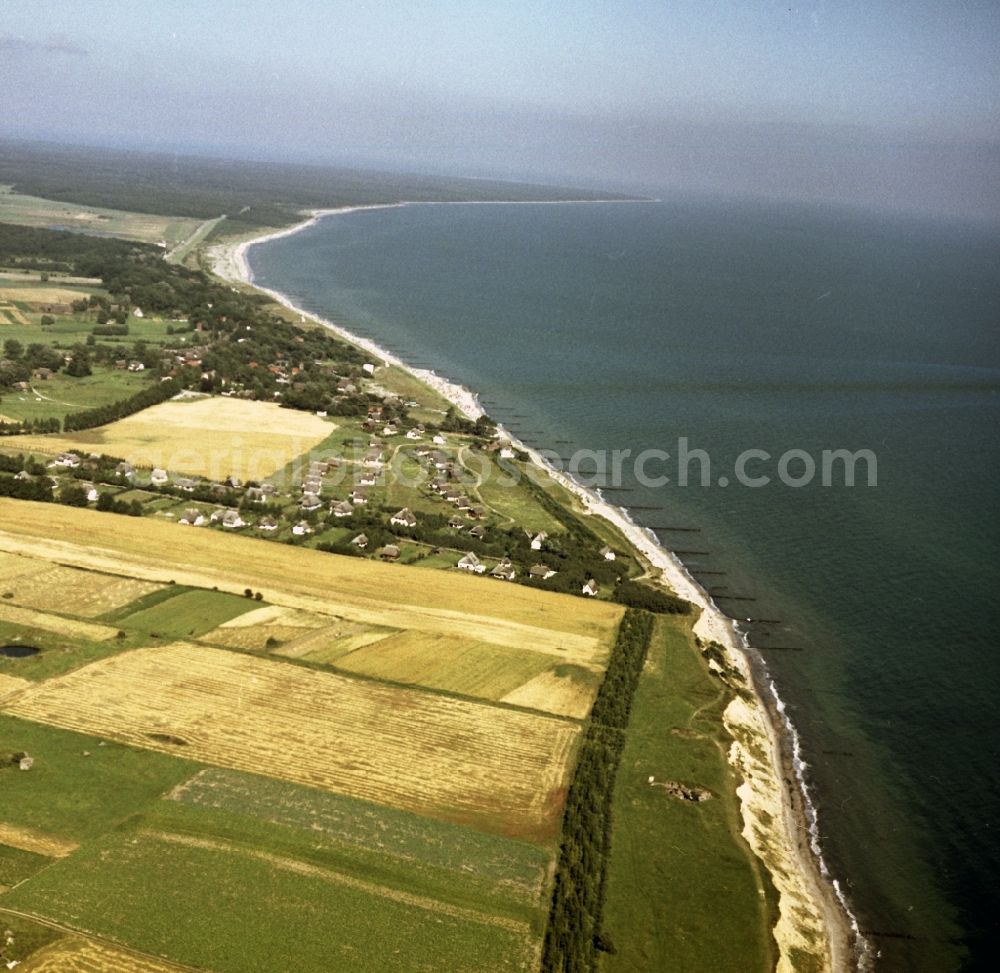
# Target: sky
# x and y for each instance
(875, 102)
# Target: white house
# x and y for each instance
(607, 553)
(301, 529)
(472, 564)
(310, 502)
(542, 571)
(368, 368)
(590, 588)
(90, 490)
(506, 452)
(267, 523)
(538, 540)
(504, 571)
(438, 440)
(232, 520)
(404, 518)
(343, 509)
(69, 460)
(192, 517)
(159, 477)
(360, 542)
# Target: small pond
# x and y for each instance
(18, 651)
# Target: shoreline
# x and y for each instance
(779, 818)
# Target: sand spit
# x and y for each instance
(778, 821)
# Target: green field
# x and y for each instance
(61, 394)
(188, 614)
(49, 214)
(72, 796)
(455, 665)
(420, 850)
(684, 891)
(221, 892)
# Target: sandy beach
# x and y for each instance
(778, 820)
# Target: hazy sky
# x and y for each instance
(868, 100)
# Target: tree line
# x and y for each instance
(574, 937)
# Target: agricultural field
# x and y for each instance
(684, 891)
(54, 215)
(119, 887)
(74, 955)
(442, 662)
(199, 436)
(497, 769)
(187, 614)
(35, 583)
(571, 629)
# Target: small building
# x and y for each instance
(541, 571)
(475, 513)
(302, 528)
(373, 457)
(390, 430)
(472, 564)
(310, 502)
(507, 452)
(538, 540)
(368, 368)
(159, 477)
(456, 523)
(42, 373)
(125, 470)
(312, 484)
(404, 518)
(192, 517)
(343, 508)
(438, 439)
(607, 553)
(68, 460)
(359, 495)
(360, 542)
(232, 520)
(415, 433)
(267, 523)
(504, 571)
(367, 478)
(90, 490)
(590, 588)
(389, 553)
(185, 483)
(479, 532)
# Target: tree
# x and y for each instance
(48, 320)
(12, 348)
(79, 364)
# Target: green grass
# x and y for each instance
(76, 797)
(62, 395)
(515, 503)
(16, 865)
(684, 891)
(225, 908)
(419, 849)
(188, 614)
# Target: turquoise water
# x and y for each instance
(629, 326)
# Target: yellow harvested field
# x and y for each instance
(207, 436)
(10, 685)
(564, 695)
(367, 592)
(496, 769)
(73, 591)
(41, 844)
(85, 956)
(40, 294)
(69, 627)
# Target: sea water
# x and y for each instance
(734, 327)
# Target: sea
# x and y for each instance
(733, 348)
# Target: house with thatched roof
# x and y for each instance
(472, 564)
